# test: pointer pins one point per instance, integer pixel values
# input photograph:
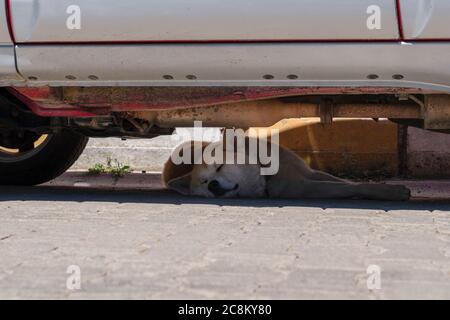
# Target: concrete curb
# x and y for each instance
(421, 190)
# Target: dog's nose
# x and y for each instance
(214, 187)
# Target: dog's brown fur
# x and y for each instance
(172, 171)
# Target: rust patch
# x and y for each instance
(102, 100)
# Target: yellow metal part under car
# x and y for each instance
(337, 147)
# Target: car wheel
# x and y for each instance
(29, 159)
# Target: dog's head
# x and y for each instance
(221, 181)
(216, 180)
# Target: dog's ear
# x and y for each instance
(181, 184)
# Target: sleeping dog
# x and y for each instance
(293, 179)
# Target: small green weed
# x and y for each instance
(113, 167)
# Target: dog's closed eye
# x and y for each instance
(219, 168)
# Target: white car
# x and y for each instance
(72, 69)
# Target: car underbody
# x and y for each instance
(146, 112)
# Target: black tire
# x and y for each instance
(59, 152)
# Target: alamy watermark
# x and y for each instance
(73, 21)
(235, 147)
(73, 281)
(373, 277)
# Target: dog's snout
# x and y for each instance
(215, 188)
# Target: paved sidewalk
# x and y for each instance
(154, 244)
